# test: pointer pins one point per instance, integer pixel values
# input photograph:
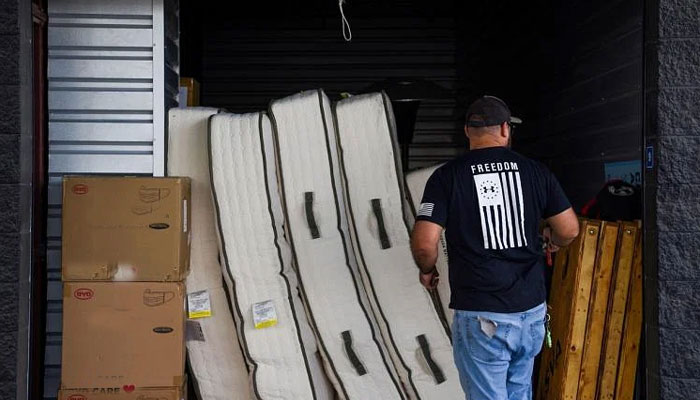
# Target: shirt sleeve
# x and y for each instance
(556, 198)
(435, 202)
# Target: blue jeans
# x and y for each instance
(495, 352)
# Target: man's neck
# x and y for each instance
(484, 145)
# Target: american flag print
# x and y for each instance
(426, 209)
(501, 209)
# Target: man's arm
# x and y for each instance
(424, 244)
(561, 218)
(431, 217)
(564, 229)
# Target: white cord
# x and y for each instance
(347, 33)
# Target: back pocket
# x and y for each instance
(537, 332)
(484, 346)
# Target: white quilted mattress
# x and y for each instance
(356, 359)
(373, 186)
(217, 364)
(257, 260)
(415, 183)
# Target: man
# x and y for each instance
(490, 203)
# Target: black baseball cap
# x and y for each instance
(491, 111)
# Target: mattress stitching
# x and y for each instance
(241, 337)
(363, 147)
(283, 194)
(362, 259)
(307, 162)
(342, 235)
(279, 255)
(183, 120)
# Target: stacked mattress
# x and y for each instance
(415, 183)
(278, 346)
(305, 254)
(374, 194)
(217, 364)
(357, 360)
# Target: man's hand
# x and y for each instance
(547, 235)
(424, 241)
(429, 280)
(564, 228)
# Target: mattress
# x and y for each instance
(216, 361)
(277, 342)
(415, 183)
(373, 188)
(356, 358)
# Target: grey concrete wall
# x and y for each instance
(15, 193)
(9, 194)
(672, 53)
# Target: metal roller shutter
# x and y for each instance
(246, 61)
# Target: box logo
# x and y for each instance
(155, 298)
(163, 329)
(153, 194)
(129, 388)
(79, 189)
(77, 397)
(83, 294)
(159, 225)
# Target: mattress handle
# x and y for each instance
(354, 359)
(438, 375)
(383, 236)
(310, 218)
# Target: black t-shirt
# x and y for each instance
(490, 202)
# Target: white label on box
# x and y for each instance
(198, 305)
(264, 314)
(184, 216)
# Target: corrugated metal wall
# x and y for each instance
(112, 70)
(249, 59)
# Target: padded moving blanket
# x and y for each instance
(356, 358)
(373, 186)
(279, 345)
(415, 183)
(217, 364)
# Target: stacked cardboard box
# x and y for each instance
(189, 92)
(125, 256)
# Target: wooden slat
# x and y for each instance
(580, 309)
(550, 357)
(571, 289)
(632, 331)
(598, 307)
(616, 311)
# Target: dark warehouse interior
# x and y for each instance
(571, 70)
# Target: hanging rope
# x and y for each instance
(347, 33)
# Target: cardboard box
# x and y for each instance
(189, 92)
(123, 334)
(125, 228)
(124, 393)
